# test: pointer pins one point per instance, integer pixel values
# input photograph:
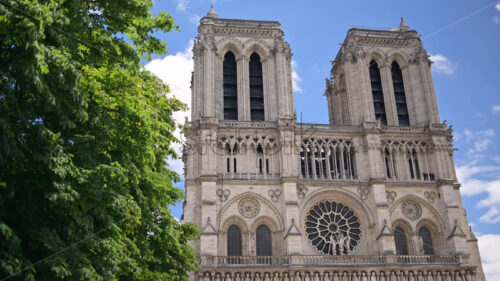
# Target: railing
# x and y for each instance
(403, 129)
(248, 23)
(341, 128)
(329, 261)
(393, 32)
(247, 124)
(249, 176)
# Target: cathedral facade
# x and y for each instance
(371, 196)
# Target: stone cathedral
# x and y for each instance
(371, 196)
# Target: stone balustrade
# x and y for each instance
(331, 261)
(248, 176)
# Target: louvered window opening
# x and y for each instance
(399, 95)
(377, 93)
(230, 91)
(256, 89)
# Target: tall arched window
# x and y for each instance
(426, 237)
(264, 242)
(256, 89)
(230, 87)
(377, 93)
(234, 241)
(400, 240)
(399, 95)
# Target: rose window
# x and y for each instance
(333, 228)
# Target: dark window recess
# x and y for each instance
(399, 95)
(309, 161)
(260, 166)
(230, 87)
(426, 237)
(377, 93)
(228, 168)
(234, 166)
(267, 166)
(234, 241)
(264, 241)
(388, 163)
(302, 163)
(323, 163)
(256, 89)
(414, 165)
(400, 240)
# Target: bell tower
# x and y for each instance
(242, 71)
(384, 76)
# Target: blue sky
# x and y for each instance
(463, 38)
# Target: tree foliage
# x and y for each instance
(85, 133)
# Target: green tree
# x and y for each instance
(85, 133)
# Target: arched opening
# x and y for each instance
(399, 95)
(400, 240)
(413, 164)
(426, 238)
(256, 89)
(234, 247)
(230, 87)
(377, 93)
(264, 244)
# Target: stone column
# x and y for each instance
(389, 102)
(208, 80)
(243, 89)
(292, 235)
(209, 234)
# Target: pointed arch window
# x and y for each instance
(400, 240)
(256, 89)
(399, 95)
(377, 93)
(230, 91)
(264, 242)
(234, 241)
(426, 237)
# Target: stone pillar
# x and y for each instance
(243, 89)
(385, 236)
(208, 235)
(292, 236)
(208, 79)
(455, 235)
(389, 99)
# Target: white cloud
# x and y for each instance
(295, 78)
(496, 108)
(492, 216)
(474, 178)
(194, 19)
(477, 180)
(175, 71)
(481, 139)
(488, 247)
(442, 64)
(182, 5)
(497, 6)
